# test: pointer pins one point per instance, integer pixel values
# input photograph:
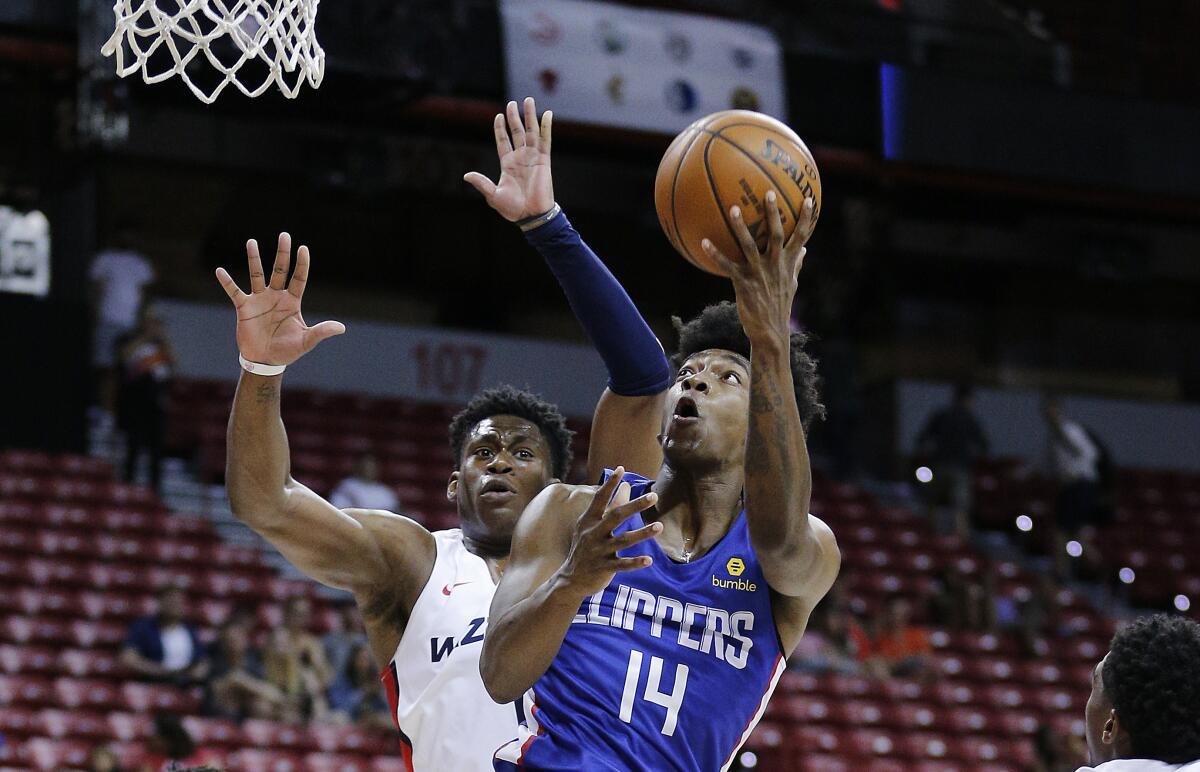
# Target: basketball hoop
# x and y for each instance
(249, 43)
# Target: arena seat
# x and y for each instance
(75, 724)
(27, 660)
(336, 762)
(47, 754)
(144, 697)
(215, 732)
(132, 726)
(256, 760)
(275, 734)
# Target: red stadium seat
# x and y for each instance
(916, 716)
(88, 663)
(1017, 724)
(977, 749)
(1039, 673)
(75, 724)
(19, 722)
(861, 713)
(1003, 696)
(71, 573)
(968, 720)
(336, 762)
(815, 738)
(953, 693)
(903, 689)
(254, 760)
(86, 634)
(823, 763)
(28, 660)
(20, 512)
(85, 693)
(134, 726)
(214, 732)
(923, 745)
(274, 734)
(388, 764)
(766, 735)
(33, 691)
(142, 697)
(333, 738)
(115, 605)
(871, 742)
(45, 754)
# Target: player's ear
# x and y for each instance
(1111, 727)
(452, 486)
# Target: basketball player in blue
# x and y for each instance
(425, 596)
(645, 623)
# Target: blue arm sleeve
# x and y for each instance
(637, 365)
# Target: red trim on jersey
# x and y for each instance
(391, 685)
(533, 711)
(757, 713)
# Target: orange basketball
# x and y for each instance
(732, 157)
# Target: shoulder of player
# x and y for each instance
(405, 543)
(408, 550)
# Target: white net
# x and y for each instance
(213, 43)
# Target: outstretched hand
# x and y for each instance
(525, 188)
(270, 329)
(765, 284)
(593, 560)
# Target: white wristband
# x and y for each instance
(258, 368)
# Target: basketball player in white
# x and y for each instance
(424, 596)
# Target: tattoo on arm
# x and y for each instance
(266, 393)
(764, 401)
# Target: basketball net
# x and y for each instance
(228, 35)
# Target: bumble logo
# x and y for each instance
(735, 567)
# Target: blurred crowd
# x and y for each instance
(287, 674)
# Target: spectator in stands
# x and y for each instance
(1075, 457)
(345, 636)
(362, 490)
(827, 646)
(118, 275)
(900, 648)
(171, 748)
(237, 687)
(295, 663)
(357, 694)
(103, 759)
(951, 442)
(146, 362)
(1145, 701)
(961, 601)
(164, 647)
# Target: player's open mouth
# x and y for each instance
(497, 489)
(685, 411)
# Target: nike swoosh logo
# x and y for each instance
(446, 590)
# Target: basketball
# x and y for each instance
(727, 158)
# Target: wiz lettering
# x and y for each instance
(440, 648)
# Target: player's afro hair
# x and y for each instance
(1152, 676)
(507, 400)
(718, 326)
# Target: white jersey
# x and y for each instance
(447, 721)
(1142, 765)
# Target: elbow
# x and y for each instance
(499, 688)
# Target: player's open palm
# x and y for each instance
(525, 188)
(593, 560)
(270, 328)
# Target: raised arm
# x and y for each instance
(628, 417)
(799, 555)
(559, 557)
(339, 549)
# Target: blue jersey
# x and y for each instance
(668, 668)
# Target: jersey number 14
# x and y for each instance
(672, 702)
